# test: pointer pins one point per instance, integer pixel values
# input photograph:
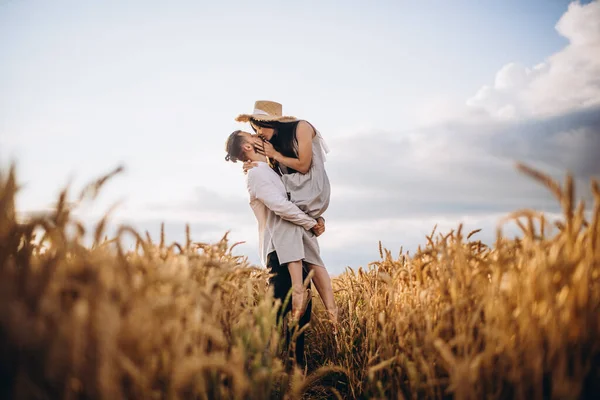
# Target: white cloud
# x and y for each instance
(566, 81)
(581, 24)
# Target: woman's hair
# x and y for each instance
(233, 147)
(285, 140)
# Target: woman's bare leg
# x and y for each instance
(322, 282)
(295, 269)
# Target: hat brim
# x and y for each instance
(262, 117)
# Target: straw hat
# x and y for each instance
(265, 110)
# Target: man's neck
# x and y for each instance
(257, 157)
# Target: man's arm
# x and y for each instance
(269, 194)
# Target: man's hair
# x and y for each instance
(233, 147)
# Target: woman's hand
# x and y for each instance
(248, 165)
(266, 149)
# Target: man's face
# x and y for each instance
(249, 139)
(247, 136)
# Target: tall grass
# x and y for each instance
(458, 319)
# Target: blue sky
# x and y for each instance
(425, 105)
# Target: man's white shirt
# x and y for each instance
(281, 224)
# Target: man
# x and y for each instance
(284, 230)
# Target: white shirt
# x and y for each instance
(281, 224)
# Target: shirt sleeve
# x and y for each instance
(265, 190)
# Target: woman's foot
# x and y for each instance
(336, 337)
(296, 315)
(299, 308)
(333, 319)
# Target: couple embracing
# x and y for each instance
(289, 192)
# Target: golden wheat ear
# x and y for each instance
(544, 179)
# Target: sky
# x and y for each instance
(426, 106)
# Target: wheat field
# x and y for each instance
(457, 319)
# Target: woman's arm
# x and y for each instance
(304, 136)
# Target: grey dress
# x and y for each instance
(311, 191)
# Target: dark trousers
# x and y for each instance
(282, 284)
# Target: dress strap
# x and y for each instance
(324, 147)
(322, 144)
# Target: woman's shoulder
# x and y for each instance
(305, 128)
(305, 124)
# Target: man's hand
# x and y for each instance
(321, 222)
(319, 228)
(248, 165)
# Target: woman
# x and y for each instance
(296, 150)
